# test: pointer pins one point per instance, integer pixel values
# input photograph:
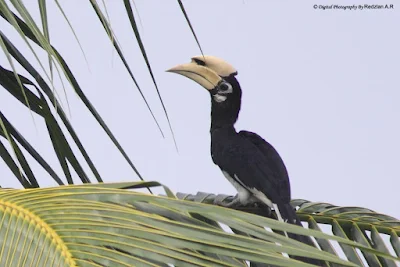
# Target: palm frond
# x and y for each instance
(106, 225)
(364, 226)
(29, 31)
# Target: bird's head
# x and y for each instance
(218, 77)
(214, 74)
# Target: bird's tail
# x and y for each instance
(286, 213)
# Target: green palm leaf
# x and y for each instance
(28, 29)
(111, 225)
(362, 225)
(41, 79)
(104, 225)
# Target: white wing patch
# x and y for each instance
(262, 197)
(243, 194)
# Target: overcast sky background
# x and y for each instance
(321, 86)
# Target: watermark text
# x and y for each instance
(353, 7)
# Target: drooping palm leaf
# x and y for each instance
(135, 29)
(11, 51)
(110, 33)
(190, 25)
(37, 31)
(41, 107)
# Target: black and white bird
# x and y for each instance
(249, 162)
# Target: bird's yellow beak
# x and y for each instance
(204, 76)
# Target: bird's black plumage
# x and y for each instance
(251, 164)
(251, 161)
(245, 156)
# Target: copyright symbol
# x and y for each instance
(315, 6)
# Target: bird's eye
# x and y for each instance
(224, 86)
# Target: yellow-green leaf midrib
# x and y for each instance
(13, 210)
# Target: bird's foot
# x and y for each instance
(234, 202)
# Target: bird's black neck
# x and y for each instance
(225, 114)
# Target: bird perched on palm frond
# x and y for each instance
(250, 163)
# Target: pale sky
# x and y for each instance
(322, 86)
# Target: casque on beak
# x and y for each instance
(204, 76)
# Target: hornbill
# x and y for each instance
(251, 164)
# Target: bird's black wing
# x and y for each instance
(254, 164)
(274, 161)
(257, 165)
